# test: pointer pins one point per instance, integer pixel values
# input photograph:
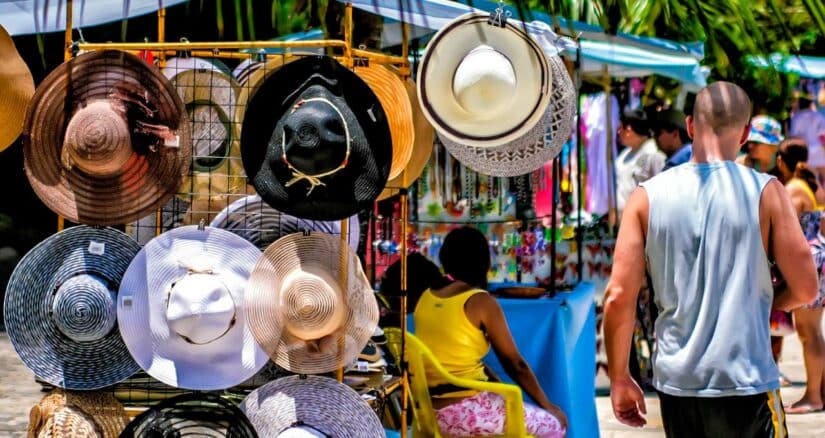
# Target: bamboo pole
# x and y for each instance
(342, 275)
(213, 45)
(162, 35)
(67, 55)
(612, 215)
(405, 217)
(348, 62)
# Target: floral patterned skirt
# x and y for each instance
(483, 415)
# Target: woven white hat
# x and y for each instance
(310, 406)
(538, 146)
(481, 84)
(181, 309)
(301, 314)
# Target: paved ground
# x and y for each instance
(18, 393)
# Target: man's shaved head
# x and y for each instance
(721, 106)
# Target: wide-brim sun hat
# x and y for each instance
(422, 148)
(299, 310)
(16, 90)
(106, 139)
(195, 414)
(310, 406)
(315, 140)
(210, 95)
(766, 130)
(483, 84)
(389, 88)
(539, 145)
(257, 222)
(60, 308)
(88, 411)
(181, 309)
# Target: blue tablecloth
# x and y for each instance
(557, 337)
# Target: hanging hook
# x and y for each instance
(499, 16)
(184, 53)
(202, 225)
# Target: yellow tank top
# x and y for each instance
(807, 189)
(442, 325)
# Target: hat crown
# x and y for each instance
(211, 134)
(97, 139)
(313, 303)
(200, 308)
(315, 136)
(484, 82)
(84, 308)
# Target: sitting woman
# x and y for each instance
(459, 321)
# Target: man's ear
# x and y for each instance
(689, 123)
(746, 131)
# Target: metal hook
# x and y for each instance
(202, 225)
(306, 232)
(260, 56)
(184, 53)
(499, 16)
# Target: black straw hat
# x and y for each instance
(315, 142)
(195, 414)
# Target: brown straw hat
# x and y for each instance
(16, 89)
(298, 310)
(422, 147)
(69, 414)
(396, 102)
(106, 139)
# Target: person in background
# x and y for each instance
(459, 321)
(809, 124)
(763, 141)
(672, 137)
(704, 231)
(421, 273)
(640, 160)
(803, 188)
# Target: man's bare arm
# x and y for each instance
(625, 281)
(789, 248)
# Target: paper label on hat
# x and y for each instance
(362, 366)
(126, 302)
(97, 248)
(172, 142)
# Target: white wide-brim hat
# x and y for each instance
(538, 146)
(299, 310)
(181, 309)
(483, 85)
(310, 406)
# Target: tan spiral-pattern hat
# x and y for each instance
(396, 102)
(16, 89)
(422, 147)
(106, 139)
(300, 313)
(77, 414)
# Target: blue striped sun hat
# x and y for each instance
(60, 308)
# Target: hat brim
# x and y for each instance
(51, 355)
(758, 137)
(318, 402)
(162, 353)
(16, 90)
(300, 252)
(144, 183)
(442, 57)
(106, 412)
(346, 192)
(194, 414)
(257, 222)
(539, 145)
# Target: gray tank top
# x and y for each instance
(711, 280)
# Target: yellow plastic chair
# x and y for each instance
(425, 424)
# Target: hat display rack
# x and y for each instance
(215, 190)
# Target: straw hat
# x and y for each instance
(310, 406)
(539, 145)
(106, 139)
(181, 309)
(298, 310)
(422, 148)
(60, 308)
(315, 140)
(210, 96)
(16, 89)
(77, 414)
(257, 222)
(390, 91)
(481, 84)
(196, 414)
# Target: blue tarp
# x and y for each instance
(22, 17)
(805, 66)
(623, 55)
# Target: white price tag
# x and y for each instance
(172, 143)
(362, 366)
(97, 248)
